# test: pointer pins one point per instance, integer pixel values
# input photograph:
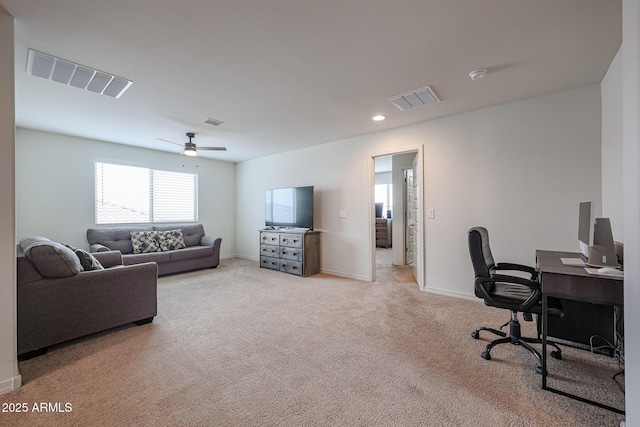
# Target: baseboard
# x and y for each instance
(248, 258)
(345, 275)
(454, 294)
(10, 384)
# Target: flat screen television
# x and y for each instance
(289, 207)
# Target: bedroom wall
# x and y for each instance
(631, 177)
(519, 169)
(55, 186)
(612, 200)
(9, 376)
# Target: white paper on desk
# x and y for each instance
(573, 261)
(597, 273)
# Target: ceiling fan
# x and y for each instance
(190, 148)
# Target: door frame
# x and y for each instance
(420, 258)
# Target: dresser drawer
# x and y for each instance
(271, 263)
(269, 250)
(293, 267)
(291, 240)
(294, 254)
(269, 238)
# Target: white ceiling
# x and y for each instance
(285, 74)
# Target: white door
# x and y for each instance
(410, 214)
(417, 223)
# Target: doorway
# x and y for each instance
(397, 206)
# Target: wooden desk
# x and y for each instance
(574, 283)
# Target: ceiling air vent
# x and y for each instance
(213, 122)
(415, 98)
(59, 70)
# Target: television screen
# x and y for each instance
(289, 207)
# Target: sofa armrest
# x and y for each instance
(207, 240)
(215, 242)
(109, 259)
(97, 247)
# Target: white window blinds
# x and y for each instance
(130, 194)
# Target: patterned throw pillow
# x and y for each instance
(170, 240)
(144, 241)
(88, 261)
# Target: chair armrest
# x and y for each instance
(526, 305)
(97, 247)
(109, 258)
(517, 267)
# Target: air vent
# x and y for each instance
(59, 70)
(415, 98)
(213, 122)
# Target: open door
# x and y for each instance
(407, 227)
(410, 214)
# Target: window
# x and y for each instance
(384, 194)
(131, 194)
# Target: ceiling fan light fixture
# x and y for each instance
(191, 152)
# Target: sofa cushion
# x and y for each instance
(158, 257)
(144, 241)
(171, 240)
(191, 253)
(88, 261)
(52, 259)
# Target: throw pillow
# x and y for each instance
(171, 240)
(88, 261)
(144, 241)
(51, 259)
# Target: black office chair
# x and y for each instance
(513, 293)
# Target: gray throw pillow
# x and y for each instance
(171, 240)
(144, 241)
(88, 261)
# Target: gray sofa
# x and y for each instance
(58, 300)
(201, 251)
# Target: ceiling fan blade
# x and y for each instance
(212, 148)
(170, 142)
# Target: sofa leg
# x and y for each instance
(144, 321)
(31, 354)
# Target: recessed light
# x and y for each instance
(477, 74)
(378, 118)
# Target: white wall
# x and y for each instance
(631, 177)
(612, 200)
(9, 376)
(520, 169)
(55, 186)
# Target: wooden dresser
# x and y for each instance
(383, 232)
(291, 251)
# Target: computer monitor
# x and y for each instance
(585, 227)
(603, 251)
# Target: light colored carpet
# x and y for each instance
(244, 346)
